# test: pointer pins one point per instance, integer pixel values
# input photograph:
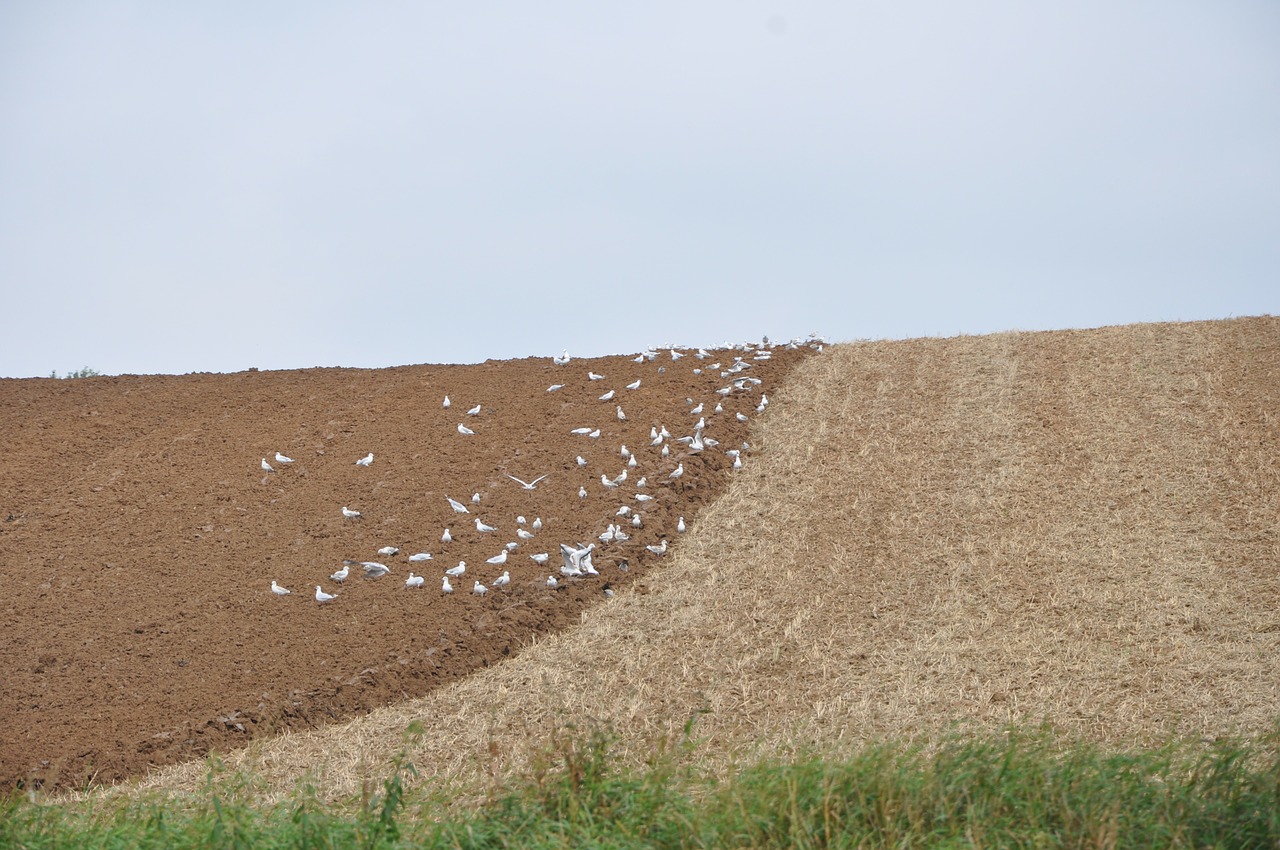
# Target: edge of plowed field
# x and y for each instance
(1075, 528)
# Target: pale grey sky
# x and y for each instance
(209, 187)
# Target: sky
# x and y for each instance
(209, 187)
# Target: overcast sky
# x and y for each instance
(213, 186)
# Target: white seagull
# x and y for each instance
(446, 537)
(341, 575)
(372, 569)
(445, 587)
(414, 581)
(537, 523)
(282, 459)
(350, 514)
(524, 534)
(482, 527)
(447, 403)
(458, 506)
(421, 556)
(593, 376)
(562, 360)
(475, 411)
(621, 416)
(582, 492)
(458, 570)
(389, 550)
(677, 472)
(528, 485)
(582, 461)
(574, 431)
(278, 590)
(555, 387)
(608, 396)
(479, 589)
(367, 460)
(267, 467)
(660, 549)
(500, 558)
(594, 434)
(634, 385)
(464, 430)
(321, 596)
(680, 526)
(540, 558)
(502, 580)
(552, 583)
(475, 498)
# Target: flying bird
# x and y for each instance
(528, 485)
(341, 575)
(350, 514)
(321, 596)
(414, 581)
(367, 460)
(464, 430)
(372, 569)
(458, 506)
(482, 527)
(278, 590)
(282, 459)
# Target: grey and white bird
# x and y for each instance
(632, 463)
(555, 387)
(660, 549)
(623, 510)
(458, 506)
(367, 460)
(594, 434)
(677, 472)
(719, 408)
(608, 482)
(540, 558)
(282, 459)
(372, 569)
(278, 590)
(666, 450)
(563, 359)
(520, 520)
(464, 430)
(421, 556)
(445, 587)
(475, 498)
(624, 451)
(524, 534)
(446, 537)
(513, 546)
(643, 497)
(475, 411)
(741, 417)
(350, 514)
(737, 462)
(414, 581)
(341, 575)
(642, 483)
(447, 404)
(697, 410)
(500, 558)
(582, 492)
(680, 526)
(479, 589)
(528, 485)
(621, 416)
(636, 522)
(764, 402)
(582, 461)
(483, 527)
(608, 396)
(676, 355)
(458, 570)
(537, 523)
(552, 583)
(321, 596)
(267, 467)
(502, 580)
(389, 550)
(580, 431)
(634, 385)
(594, 377)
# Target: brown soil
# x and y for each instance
(139, 537)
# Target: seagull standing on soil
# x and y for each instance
(445, 587)
(479, 589)
(458, 570)
(367, 460)
(341, 575)
(475, 411)
(540, 558)
(562, 360)
(321, 596)
(555, 387)
(500, 558)
(458, 506)
(634, 385)
(421, 556)
(464, 430)
(282, 459)
(266, 467)
(594, 377)
(502, 580)
(278, 590)
(552, 583)
(447, 404)
(482, 527)
(537, 523)
(608, 396)
(350, 514)
(414, 581)
(389, 550)
(680, 526)
(446, 537)
(677, 472)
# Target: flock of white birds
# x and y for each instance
(732, 364)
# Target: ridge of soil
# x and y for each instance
(139, 536)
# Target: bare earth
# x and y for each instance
(1077, 528)
(139, 536)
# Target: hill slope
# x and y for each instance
(1077, 527)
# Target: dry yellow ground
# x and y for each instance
(1077, 528)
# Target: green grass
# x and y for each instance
(1017, 790)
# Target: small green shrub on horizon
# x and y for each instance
(1022, 789)
(84, 372)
